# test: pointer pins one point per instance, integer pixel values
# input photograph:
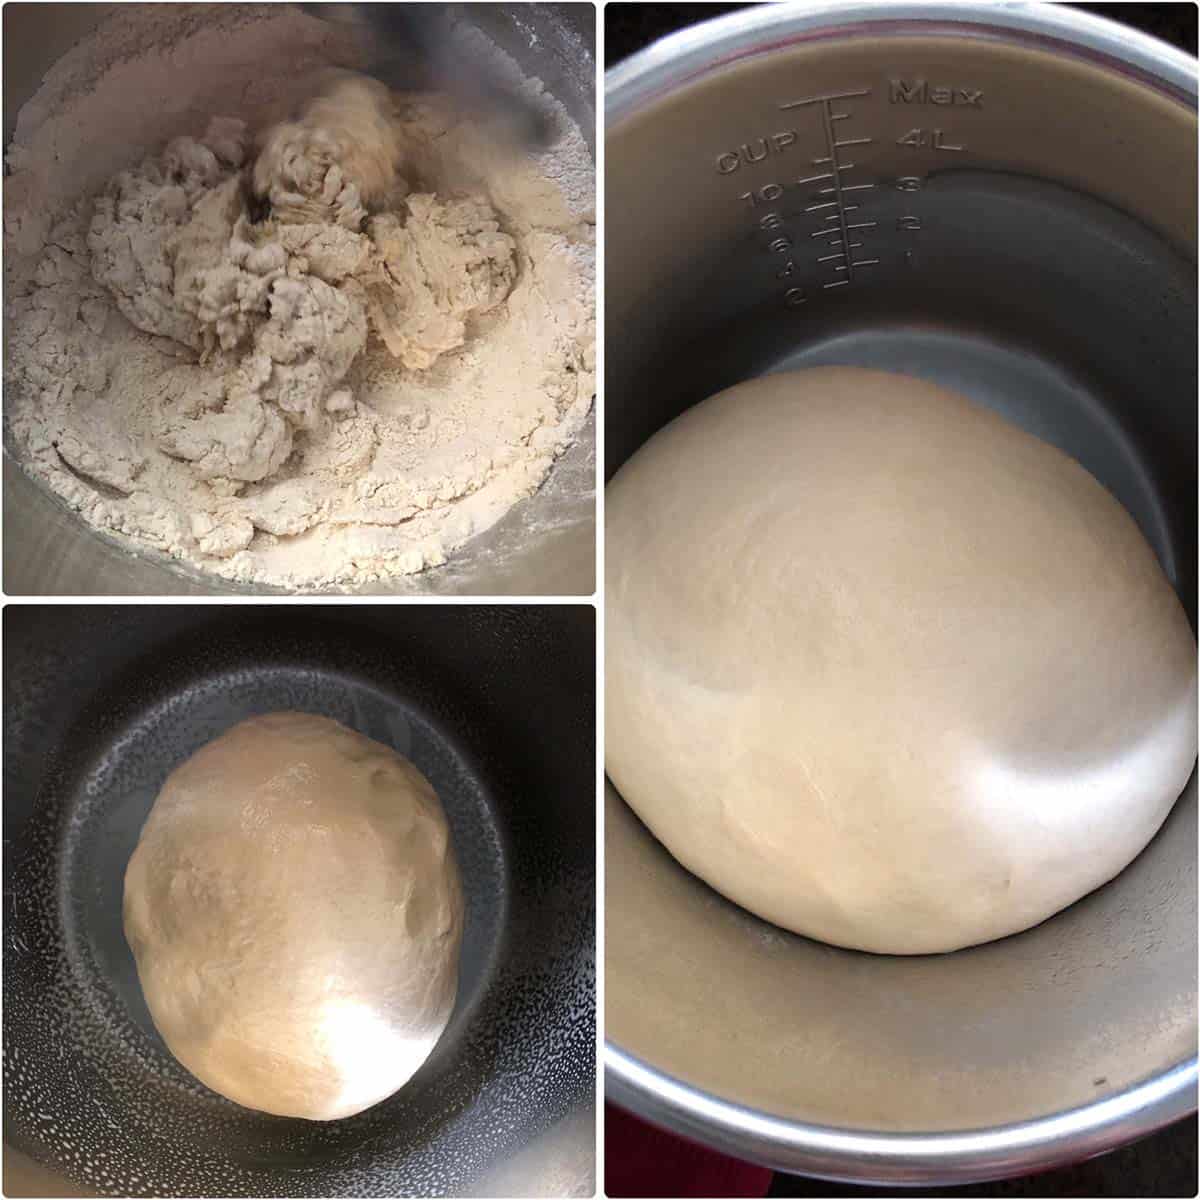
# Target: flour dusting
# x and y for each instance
(288, 326)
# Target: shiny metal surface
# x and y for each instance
(102, 703)
(1040, 1049)
(1031, 214)
(544, 545)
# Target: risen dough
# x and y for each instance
(295, 910)
(885, 669)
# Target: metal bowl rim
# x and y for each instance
(681, 57)
(891, 1159)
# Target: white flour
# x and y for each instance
(320, 398)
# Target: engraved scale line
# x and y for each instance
(840, 253)
(832, 145)
(825, 99)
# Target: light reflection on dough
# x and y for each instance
(883, 668)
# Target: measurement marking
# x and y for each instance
(849, 187)
(825, 99)
(831, 142)
(831, 199)
(839, 254)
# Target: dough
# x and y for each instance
(295, 910)
(338, 160)
(885, 669)
(283, 324)
(448, 263)
(279, 308)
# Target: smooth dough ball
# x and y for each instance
(885, 669)
(295, 910)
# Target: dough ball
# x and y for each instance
(295, 910)
(883, 668)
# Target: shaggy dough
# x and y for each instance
(279, 309)
(339, 159)
(447, 263)
(179, 311)
(885, 669)
(183, 297)
(295, 910)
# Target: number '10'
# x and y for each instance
(766, 194)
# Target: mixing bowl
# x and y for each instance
(494, 705)
(544, 545)
(1000, 199)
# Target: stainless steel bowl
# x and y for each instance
(544, 545)
(1002, 199)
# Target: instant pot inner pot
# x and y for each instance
(1066, 316)
(109, 795)
(1022, 229)
(91, 1088)
(986, 269)
(544, 545)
